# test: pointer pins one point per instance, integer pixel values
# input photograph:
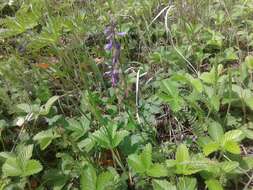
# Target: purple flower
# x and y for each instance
(121, 33)
(114, 46)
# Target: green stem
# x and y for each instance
(118, 160)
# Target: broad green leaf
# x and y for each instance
(182, 153)
(45, 138)
(162, 185)
(46, 108)
(157, 170)
(213, 184)
(78, 127)
(215, 130)
(88, 178)
(26, 108)
(232, 147)
(210, 148)
(136, 163)
(32, 167)
(187, 183)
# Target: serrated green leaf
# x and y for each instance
(32, 167)
(12, 167)
(102, 138)
(213, 184)
(233, 135)
(188, 168)
(86, 144)
(88, 178)
(182, 153)
(146, 156)
(55, 179)
(78, 127)
(15, 167)
(162, 185)
(25, 152)
(228, 166)
(171, 163)
(120, 135)
(108, 137)
(157, 170)
(187, 183)
(136, 163)
(105, 181)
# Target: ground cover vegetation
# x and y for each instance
(130, 94)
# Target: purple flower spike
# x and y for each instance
(117, 45)
(114, 46)
(108, 46)
(108, 30)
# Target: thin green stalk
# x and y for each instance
(118, 160)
